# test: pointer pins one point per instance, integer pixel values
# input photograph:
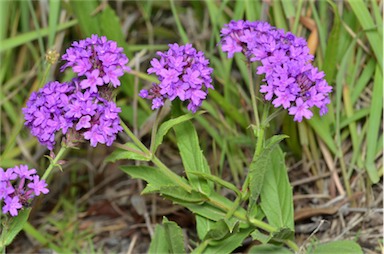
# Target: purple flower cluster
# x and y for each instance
(183, 73)
(291, 80)
(44, 111)
(98, 60)
(62, 107)
(78, 108)
(94, 117)
(18, 186)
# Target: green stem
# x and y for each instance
(292, 245)
(236, 205)
(241, 214)
(154, 131)
(163, 168)
(261, 132)
(54, 162)
(252, 92)
(173, 176)
(135, 139)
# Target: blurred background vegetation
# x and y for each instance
(335, 162)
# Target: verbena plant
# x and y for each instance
(83, 110)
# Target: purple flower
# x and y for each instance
(98, 59)
(38, 186)
(12, 205)
(92, 81)
(7, 175)
(291, 80)
(5, 189)
(183, 73)
(300, 110)
(23, 172)
(18, 187)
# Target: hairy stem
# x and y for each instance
(54, 162)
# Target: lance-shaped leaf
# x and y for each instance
(168, 238)
(153, 176)
(260, 164)
(191, 153)
(130, 152)
(343, 246)
(276, 194)
(166, 126)
(12, 227)
(269, 249)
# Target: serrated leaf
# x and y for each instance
(174, 237)
(218, 232)
(259, 165)
(158, 245)
(13, 228)
(230, 243)
(166, 126)
(209, 211)
(269, 248)
(203, 225)
(131, 153)
(175, 193)
(217, 180)
(283, 234)
(191, 153)
(343, 246)
(276, 194)
(263, 238)
(151, 175)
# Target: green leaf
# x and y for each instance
(269, 248)
(174, 237)
(166, 126)
(13, 227)
(360, 9)
(176, 194)
(54, 12)
(374, 123)
(230, 243)
(283, 234)
(24, 38)
(330, 58)
(218, 180)
(108, 20)
(151, 175)
(203, 225)
(132, 152)
(343, 246)
(180, 28)
(88, 22)
(263, 238)
(259, 166)
(158, 245)
(191, 153)
(276, 194)
(220, 230)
